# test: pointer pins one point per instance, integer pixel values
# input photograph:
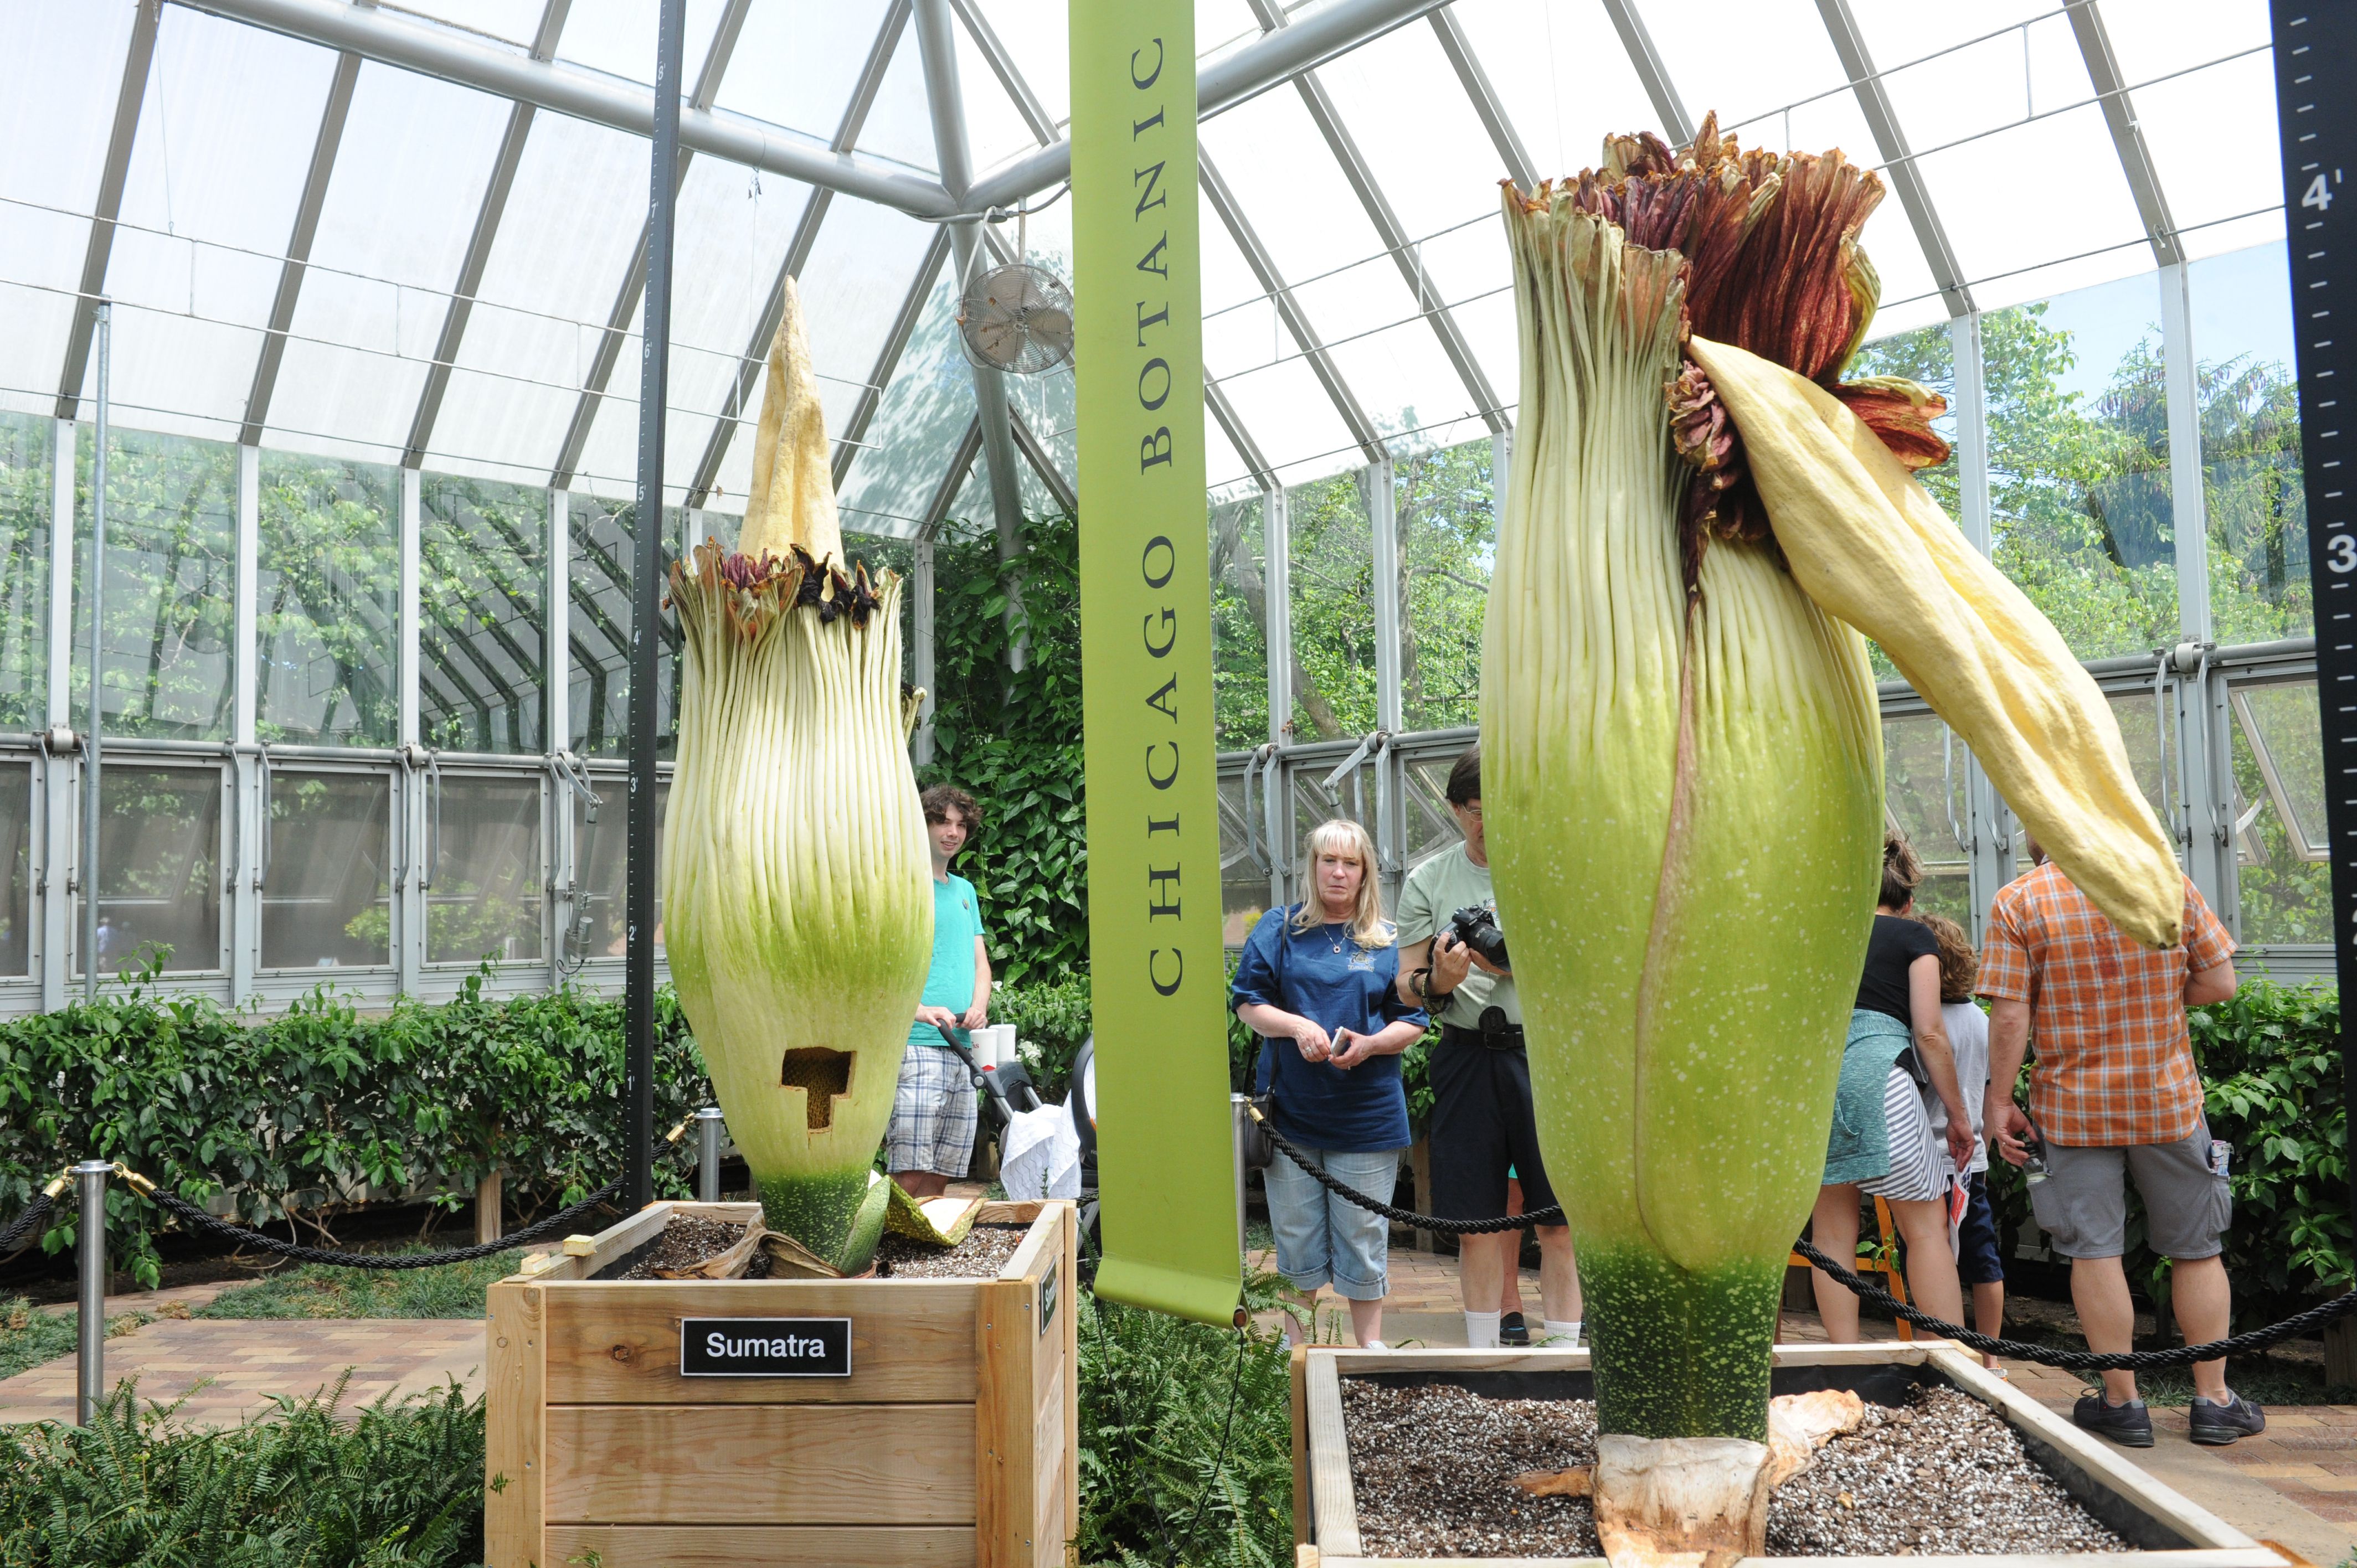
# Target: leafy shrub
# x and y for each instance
(1012, 739)
(1051, 1015)
(312, 1487)
(1155, 1414)
(300, 1114)
(2270, 1062)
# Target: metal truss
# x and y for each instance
(109, 205)
(450, 56)
(1899, 165)
(1273, 59)
(2127, 137)
(888, 359)
(634, 278)
(797, 250)
(479, 246)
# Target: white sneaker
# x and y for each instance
(1374, 1344)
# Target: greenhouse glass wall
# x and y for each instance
(371, 278)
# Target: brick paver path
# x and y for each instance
(229, 1368)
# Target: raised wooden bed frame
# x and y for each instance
(953, 1442)
(1326, 1513)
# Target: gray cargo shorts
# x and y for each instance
(2082, 1204)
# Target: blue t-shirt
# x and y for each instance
(957, 920)
(1355, 1110)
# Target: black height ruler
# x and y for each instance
(2316, 69)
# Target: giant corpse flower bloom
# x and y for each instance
(1682, 759)
(797, 901)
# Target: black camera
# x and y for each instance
(1476, 927)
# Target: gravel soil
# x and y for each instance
(686, 1243)
(980, 1256)
(1434, 1470)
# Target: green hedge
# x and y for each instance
(2270, 1064)
(298, 1114)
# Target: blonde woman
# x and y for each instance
(1317, 982)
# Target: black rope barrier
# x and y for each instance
(2305, 1323)
(561, 1222)
(26, 1227)
(2308, 1321)
(1551, 1215)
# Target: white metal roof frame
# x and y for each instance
(1354, 364)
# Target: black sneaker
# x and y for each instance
(2129, 1425)
(2219, 1424)
(1512, 1330)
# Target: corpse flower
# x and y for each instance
(1682, 756)
(797, 898)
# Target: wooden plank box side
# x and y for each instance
(1320, 1429)
(594, 1442)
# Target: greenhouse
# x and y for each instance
(393, 833)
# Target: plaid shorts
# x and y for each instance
(933, 1114)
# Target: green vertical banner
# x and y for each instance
(1158, 979)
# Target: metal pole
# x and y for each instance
(707, 1154)
(654, 390)
(90, 1371)
(97, 603)
(1239, 1120)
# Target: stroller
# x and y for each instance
(1007, 1090)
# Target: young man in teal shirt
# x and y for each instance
(930, 1140)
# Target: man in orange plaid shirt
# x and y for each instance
(2114, 1093)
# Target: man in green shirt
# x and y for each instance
(1483, 1130)
(930, 1140)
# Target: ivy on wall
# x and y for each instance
(1012, 740)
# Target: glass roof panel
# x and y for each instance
(852, 287)
(1979, 87)
(1749, 58)
(1402, 379)
(732, 234)
(916, 425)
(2153, 38)
(2213, 140)
(995, 128)
(1559, 68)
(63, 63)
(618, 37)
(1037, 39)
(572, 219)
(609, 459)
(1289, 415)
(797, 61)
(407, 188)
(899, 125)
(216, 172)
(2092, 236)
(1292, 193)
(1221, 463)
(1437, 167)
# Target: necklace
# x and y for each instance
(1336, 940)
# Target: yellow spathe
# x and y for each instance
(1870, 546)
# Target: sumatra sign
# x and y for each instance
(1158, 979)
(765, 1347)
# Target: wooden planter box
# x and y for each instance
(952, 1441)
(2167, 1530)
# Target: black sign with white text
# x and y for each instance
(765, 1348)
(2315, 60)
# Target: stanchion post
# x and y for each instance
(707, 1153)
(1239, 1122)
(91, 1372)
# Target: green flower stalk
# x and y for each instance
(797, 897)
(1683, 760)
